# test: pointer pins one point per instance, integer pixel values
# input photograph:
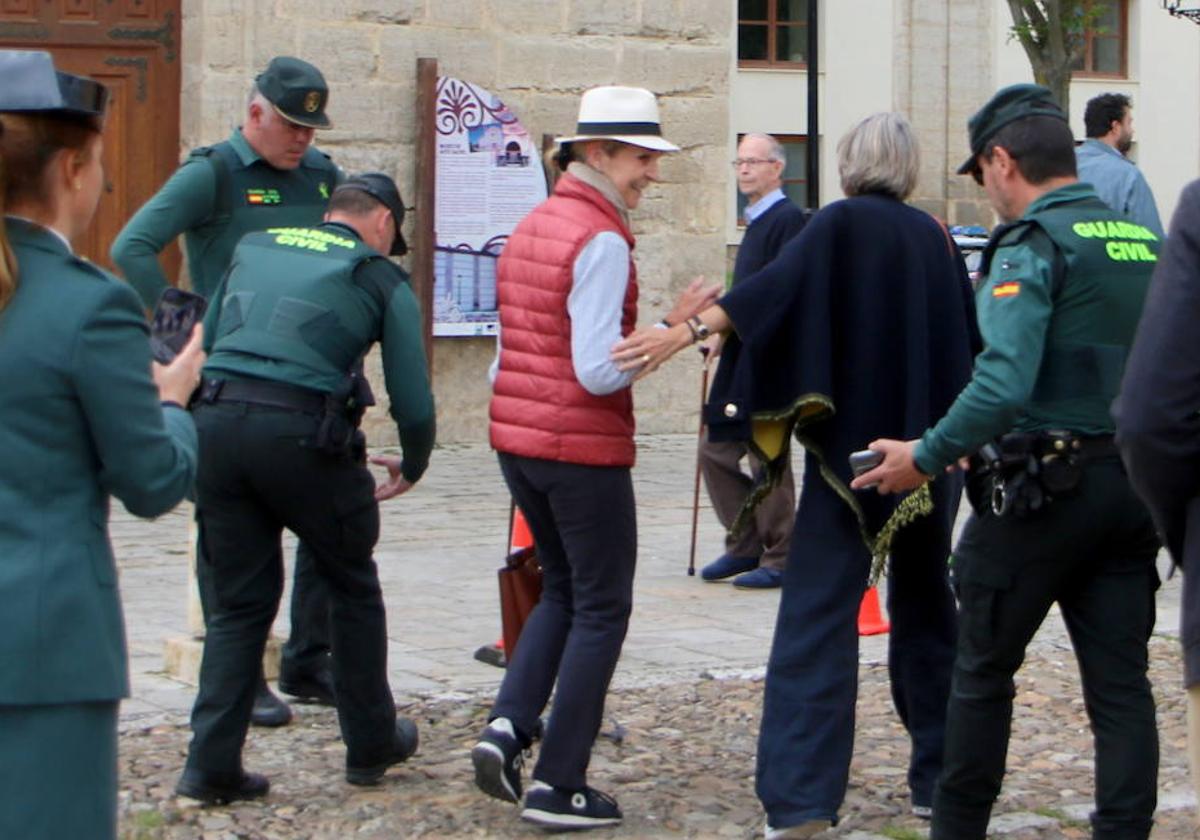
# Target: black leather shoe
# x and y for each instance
(314, 687)
(403, 746)
(221, 788)
(268, 709)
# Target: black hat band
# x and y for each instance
(639, 129)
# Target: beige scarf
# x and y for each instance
(600, 182)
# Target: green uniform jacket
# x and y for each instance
(217, 196)
(1057, 312)
(302, 306)
(81, 421)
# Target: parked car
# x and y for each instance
(971, 240)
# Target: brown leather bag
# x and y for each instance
(520, 589)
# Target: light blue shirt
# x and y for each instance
(595, 305)
(1118, 182)
(753, 211)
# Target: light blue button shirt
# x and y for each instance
(1118, 182)
(753, 211)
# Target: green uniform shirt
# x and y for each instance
(1057, 313)
(302, 306)
(256, 196)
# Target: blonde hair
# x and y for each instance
(27, 144)
(879, 155)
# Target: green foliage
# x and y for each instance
(1052, 35)
(899, 833)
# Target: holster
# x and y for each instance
(1020, 473)
(345, 406)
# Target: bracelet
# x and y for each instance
(692, 329)
(699, 328)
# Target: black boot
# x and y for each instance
(268, 709)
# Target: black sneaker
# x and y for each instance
(559, 808)
(404, 744)
(498, 758)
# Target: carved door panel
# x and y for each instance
(132, 46)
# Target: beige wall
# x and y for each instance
(537, 56)
(1164, 82)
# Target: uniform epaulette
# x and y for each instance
(1004, 236)
(201, 151)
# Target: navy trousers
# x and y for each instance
(584, 525)
(807, 733)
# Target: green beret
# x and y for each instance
(297, 90)
(1008, 105)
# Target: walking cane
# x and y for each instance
(699, 443)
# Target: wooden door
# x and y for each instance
(132, 46)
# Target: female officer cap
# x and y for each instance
(32, 85)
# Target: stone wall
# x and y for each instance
(537, 56)
(943, 75)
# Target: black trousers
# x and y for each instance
(585, 528)
(306, 651)
(258, 475)
(807, 735)
(1092, 553)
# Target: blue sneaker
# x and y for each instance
(566, 810)
(760, 578)
(728, 565)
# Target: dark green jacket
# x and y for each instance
(81, 422)
(302, 306)
(1058, 309)
(218, 195)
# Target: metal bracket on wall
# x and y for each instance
(162, 35)
(142, 65)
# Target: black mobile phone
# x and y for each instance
(864, 460)
(176, 314)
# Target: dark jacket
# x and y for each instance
(1158, 410)
(863, 327)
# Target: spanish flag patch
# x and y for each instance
(1009, 289)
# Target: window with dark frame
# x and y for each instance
(1106, 44)
(795, 173)
(773, 33)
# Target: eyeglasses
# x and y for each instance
(739, 162)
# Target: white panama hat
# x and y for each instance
(626, 114)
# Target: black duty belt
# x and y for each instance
(265, 393)
(1088, 448)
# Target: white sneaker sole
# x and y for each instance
(489, 772)
(551, 819)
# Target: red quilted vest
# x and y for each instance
(539, 409)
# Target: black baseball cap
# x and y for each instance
(1010, 104)
(32, 85)
(297, 90)
(384, 190)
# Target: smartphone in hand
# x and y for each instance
(863, 461)
(175, 316)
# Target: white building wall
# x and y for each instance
(855, 78)
(1163, 81)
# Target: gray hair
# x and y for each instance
(775, 148)
(879, 155)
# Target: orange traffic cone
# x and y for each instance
(521, 535)
(521, 538)
(870, 621)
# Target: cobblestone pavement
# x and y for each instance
(685, 703)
